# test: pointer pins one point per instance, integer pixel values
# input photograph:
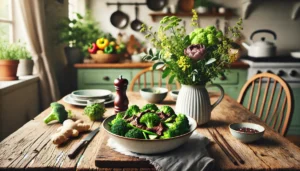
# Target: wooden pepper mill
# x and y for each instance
(121, 100)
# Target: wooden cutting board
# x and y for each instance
(108, 158)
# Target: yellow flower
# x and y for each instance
(183, 63)
(167, 55)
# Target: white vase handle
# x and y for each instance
(221, 96)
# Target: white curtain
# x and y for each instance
(33, 13)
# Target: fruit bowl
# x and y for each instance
(106, 58)
(154, 146)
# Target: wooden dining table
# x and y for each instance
(30, 147)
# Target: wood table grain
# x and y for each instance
(30, 148)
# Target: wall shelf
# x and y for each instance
(227, 15)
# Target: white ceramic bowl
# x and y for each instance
(246, 137)
(174, 94)
(154, 95)
(155, 146)
(91, 94)
(295, 54)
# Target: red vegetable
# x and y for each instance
(93, 48)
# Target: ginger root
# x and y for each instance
(69, 129)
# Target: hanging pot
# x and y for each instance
(194, 101)
(262, 48)
(156, 5)
(119, 19)
(136, 24)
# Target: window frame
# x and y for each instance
(11, 21)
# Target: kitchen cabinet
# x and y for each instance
(102, 76)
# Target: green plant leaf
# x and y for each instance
(171, 79)
(211, 60)
(166, 72)
(156, 64)
(150, 52)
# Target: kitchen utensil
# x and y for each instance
(236, 155)
(74, 151)
(91, 94)
(154, 94)
(154, 146)
(136, 24)
(243, 136)
(295, 54)
(156, 5)
(262, 48)
(119, 19)
(232, 159)
(68, 99)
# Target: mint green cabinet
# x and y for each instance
(103, 79)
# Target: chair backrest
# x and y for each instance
(151, 78)
(269, 97)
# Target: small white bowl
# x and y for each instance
(243, 136)
(155, 146)
(174, 94)
(295, 54)
(154, 95)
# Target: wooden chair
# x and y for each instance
(269, 97)
(151, 78)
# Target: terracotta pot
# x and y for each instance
(8, 70)
(186, 5)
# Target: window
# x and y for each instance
(6, 20)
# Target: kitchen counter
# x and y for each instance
(130, 64)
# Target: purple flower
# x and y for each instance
(195, 52)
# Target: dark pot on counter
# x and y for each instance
(73, 55)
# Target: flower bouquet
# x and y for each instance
(193, 59)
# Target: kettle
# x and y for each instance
(261, 48)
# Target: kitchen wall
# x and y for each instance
(267, 14)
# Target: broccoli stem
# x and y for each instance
(50, 117)
(145, 131)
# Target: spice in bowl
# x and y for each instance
(246, 132)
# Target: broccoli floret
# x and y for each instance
(150, 119)
(170, 119)
(135, 133)
(167, 110)
(119, 115)
(150, 106)
(179, 127)
(58, 113)
(182, 124)
(119, 127)
(95, 111)
(132, 110)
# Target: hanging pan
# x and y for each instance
(119, 19)
(156, 5)
(136, 24)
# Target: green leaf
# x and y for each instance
(154, 66)
(154, 58)
(166, 72)
(171, 79)
(211, 60)
(79, 16)
(151, 52)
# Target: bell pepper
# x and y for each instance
(92, 48)
(100, 52)
(109, 49)
(102, 43)
(112, 43)
(118, 49)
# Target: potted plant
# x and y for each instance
(25, 66)
(9, 60)
(77, 33)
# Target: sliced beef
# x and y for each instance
(157, 129)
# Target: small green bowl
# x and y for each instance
(243, 136)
